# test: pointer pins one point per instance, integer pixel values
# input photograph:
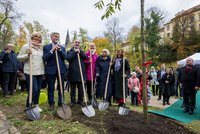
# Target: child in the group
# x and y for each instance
(134, 86)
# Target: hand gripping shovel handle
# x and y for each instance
(79, 63)
(92, 86)
(107, 80)
(124, 81)
(59, 76)
(30, 76)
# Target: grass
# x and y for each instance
(50, 124)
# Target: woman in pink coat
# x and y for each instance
(92, 58)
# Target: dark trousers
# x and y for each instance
(73, 92)
(37, 82)
(89, 89)
(176, 88)
(189, 101)
(8, 82)
(134, 98)
(161, 86)
(155, 90)
(51, 87)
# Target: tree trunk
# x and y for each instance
(144, 91)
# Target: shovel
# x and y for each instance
(64, 112)
(93, 101)
(123, 110)
(88, 110)
(104, 105)
(31, 113)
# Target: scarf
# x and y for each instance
(118, 64)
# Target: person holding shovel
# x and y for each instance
(102, 68)
(118, 77)
(74, 72)
(37, 66)
(90, 68)
(51, 69)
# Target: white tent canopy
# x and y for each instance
(195, 57)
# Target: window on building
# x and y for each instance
(199, 16)
(191, 19)
(168, 34)
(168, 27)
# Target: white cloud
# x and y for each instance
(61, 15)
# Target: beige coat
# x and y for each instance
(37, 61)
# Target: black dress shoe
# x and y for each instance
(72, 104)
(81, 103)
(191, 112)
(51, 107)
(185, 110)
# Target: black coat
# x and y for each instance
(74, 70)
(118, 79)
(10, 62)
(102, 67)
(190, 77)
(168, 87)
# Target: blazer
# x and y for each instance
(50, 60)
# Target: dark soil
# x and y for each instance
(108, 121)
(113, 123)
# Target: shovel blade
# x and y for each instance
(123, 110)
(64, 112)
(94, 103)
(88, 111)
(33, 114)
(103, 105)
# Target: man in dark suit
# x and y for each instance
(160, 73)
(51, 70)
(190, 80)
(74, 72)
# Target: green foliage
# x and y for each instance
(110, 7)
(152, 36)
(166, 54)
(83, 35)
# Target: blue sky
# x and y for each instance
(60, 15)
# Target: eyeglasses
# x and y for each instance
(77, 42)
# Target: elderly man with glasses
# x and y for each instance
(190, 81)
(74, 72)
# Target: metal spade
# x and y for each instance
(31, 113)
(123, 110)
(88, 110)
(105, 104)
(93, 101)
(64, 112)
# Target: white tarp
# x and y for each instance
(195, 57)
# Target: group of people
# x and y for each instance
(185, 80)
(95, 70)
(44, 63)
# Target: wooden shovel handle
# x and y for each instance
(59, 76)
(82, 80)
(30, 76)
(107, 80)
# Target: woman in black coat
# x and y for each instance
(168, 82)
(118, 76)
(9, 69)
(102, 67)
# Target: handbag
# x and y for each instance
(136, 89)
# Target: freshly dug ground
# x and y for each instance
(108, 121)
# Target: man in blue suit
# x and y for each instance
(51, 70)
